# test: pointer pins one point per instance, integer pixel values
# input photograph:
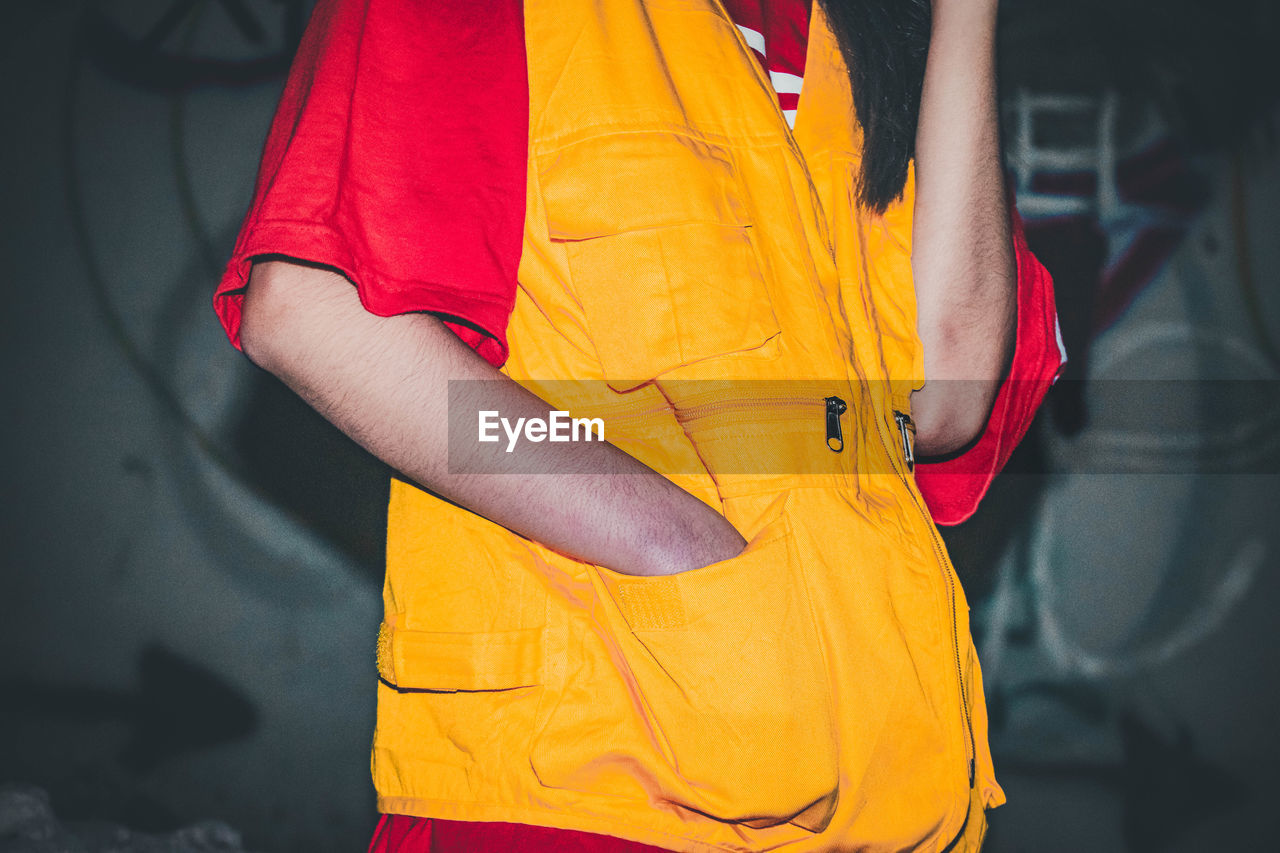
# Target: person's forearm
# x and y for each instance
(385, 382)
(962, 250)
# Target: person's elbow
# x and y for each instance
(265, 315)
(949, 415)
(967, 369)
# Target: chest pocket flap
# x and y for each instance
(660, 250)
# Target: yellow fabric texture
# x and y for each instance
(689, 258)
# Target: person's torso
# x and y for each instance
(699, 272)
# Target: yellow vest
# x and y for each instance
(818, 692)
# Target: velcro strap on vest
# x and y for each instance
(446, 661)
(651, 604)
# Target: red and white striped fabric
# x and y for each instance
(777, 32)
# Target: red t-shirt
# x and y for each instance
(398, 156)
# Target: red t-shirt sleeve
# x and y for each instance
(384, 159)
(953, 489)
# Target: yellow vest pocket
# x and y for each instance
(670, 260)
(447, 661)
(725, 663)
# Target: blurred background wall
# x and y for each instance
(189, 590)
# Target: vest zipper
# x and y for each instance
(907, 429)
(835, 408)
(948, 572)
(832, 410)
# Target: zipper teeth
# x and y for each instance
(955, 642)
(626, 415)
(949, 573)
(939, 552)
(703, 410)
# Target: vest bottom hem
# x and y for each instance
(969, 836)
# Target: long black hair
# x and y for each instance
(884, 44)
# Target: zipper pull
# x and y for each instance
(907, 429)
(972, 774)
(835, 438)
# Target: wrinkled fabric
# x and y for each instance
(700, 274)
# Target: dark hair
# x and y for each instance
(884, 44)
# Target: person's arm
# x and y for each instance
(962, 251)
(384, 381)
